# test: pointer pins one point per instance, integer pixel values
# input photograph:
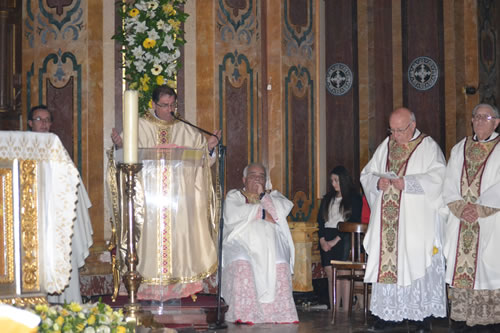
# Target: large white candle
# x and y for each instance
(130, 127)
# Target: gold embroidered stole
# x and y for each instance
(397, 161)
(476, 155)
(164, 220)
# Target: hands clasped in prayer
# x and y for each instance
(384, 183)
(470, 213)
(254, 184)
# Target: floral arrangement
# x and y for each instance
(151, 36)
(87, 318)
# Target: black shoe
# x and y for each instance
(381, 325)
(423, 326)
(458, 327)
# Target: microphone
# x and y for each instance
(193, 125)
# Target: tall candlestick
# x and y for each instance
(130, 126)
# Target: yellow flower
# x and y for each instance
(121, 329)
(145, 82)
(60, 321)
(149, 43)
(435, 250)
(168, 8)
(91, 320)
(75, 307)
(174, 23)
(171, 83)
(134, 12)
(160, 80)
(150, 105)
(64, 312)
(145, 79)
(80, 327)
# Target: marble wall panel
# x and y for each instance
(342, 108)
(300, 107)
(237, 54)
(423, 36)
(62, 68)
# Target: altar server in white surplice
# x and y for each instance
(40, 121)
(258, 253)
(472, 195)
(403, 184)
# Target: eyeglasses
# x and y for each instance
(394, 131)
(254, 176)
(167, 106)
(43, 120)
(483, 117)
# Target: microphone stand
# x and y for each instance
(220, 323)
(172, 113)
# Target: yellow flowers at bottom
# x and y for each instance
(60, 321)
(91, 320)
(75, 307)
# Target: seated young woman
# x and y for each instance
(342, 203)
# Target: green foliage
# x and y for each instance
(151, 37)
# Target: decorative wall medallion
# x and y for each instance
(423, 73)
(338, 79)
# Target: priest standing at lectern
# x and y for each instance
(176, 270)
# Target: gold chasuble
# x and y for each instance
(476, 155)
(176, 247)
(397, 161)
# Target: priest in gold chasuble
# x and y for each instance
(403, 183)
(472, 195)
(176, 243)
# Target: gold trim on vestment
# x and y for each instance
(150, 117)
(397, 161)
(476, 155)
(29, 225)
(198, 277)
(164, 224)
(7, 225)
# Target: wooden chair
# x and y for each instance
(356, 264)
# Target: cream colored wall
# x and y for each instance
(189, 66)
(108, 59)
